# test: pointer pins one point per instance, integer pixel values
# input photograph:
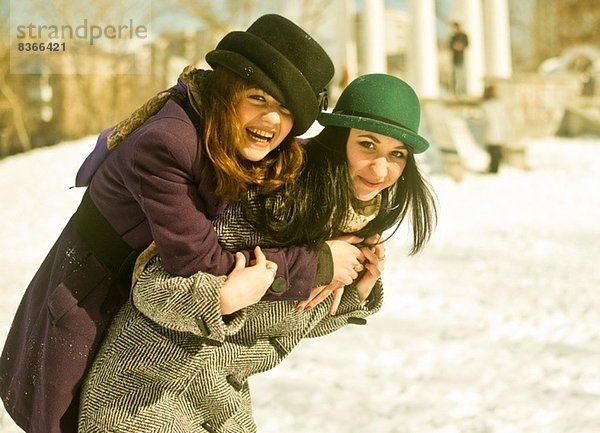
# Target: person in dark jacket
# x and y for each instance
(170, 363)
(171, 168)
(459, 41)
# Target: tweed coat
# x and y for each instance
(169, 363)
(147, 188)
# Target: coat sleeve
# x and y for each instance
(184, 304)
(160, 175)
(350, 311)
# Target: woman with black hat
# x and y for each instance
(171, 168)
(159, 370)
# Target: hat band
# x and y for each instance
(372, 116)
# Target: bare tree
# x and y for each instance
(313, 13)
(218, 17)
(94, 89)
(13, 103)
(14, 120)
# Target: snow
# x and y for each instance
(494, 328)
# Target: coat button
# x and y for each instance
(234, 382)
(279, 285)
(278, 346)
(209, 428)
(370, 302)
(202, 326)
(357, 321)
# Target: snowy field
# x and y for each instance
(494, 328)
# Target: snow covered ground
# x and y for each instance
(494, 328)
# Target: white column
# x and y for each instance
(469, 14)
(498, 58)
(423, 53)
(374, 36)
(346, 38)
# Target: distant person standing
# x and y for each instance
(495, 127)
(459, 41)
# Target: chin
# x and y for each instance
(367, 197)
(254, 155)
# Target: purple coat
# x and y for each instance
(150, 187)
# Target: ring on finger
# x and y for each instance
(358, 267)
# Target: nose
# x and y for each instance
(379, 167)
(272, 116)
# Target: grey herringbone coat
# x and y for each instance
(171, 364)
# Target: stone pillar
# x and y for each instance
(469, 14)
(498, 58)
(374, 36)
(346, 39)
(423, 53)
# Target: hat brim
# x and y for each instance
(236, 52)
(408, 137)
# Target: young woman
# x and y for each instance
(165, 365)
(172, 167)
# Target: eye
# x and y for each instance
(399, 154)
(367, 144)
(257, 97)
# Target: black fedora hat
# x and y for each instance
(283, 60)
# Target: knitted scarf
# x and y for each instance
(189, 84)
(359, 217)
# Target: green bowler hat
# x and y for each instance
(379, 103)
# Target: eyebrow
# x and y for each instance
(376, 140)
(372, 137)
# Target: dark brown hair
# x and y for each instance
(222, 139)
(311, 210)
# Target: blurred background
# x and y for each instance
(542, 55)
(495, 326)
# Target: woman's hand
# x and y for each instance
(374, 265)
(373, 259)
(247, 285)
(346, 258)
(319, 294)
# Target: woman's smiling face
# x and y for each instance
(265, 123)
(375, 162)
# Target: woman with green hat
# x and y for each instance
(361, 175)
(364, 156)
(161, 370)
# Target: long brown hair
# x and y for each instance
(223, 137)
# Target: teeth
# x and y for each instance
(261, 135)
